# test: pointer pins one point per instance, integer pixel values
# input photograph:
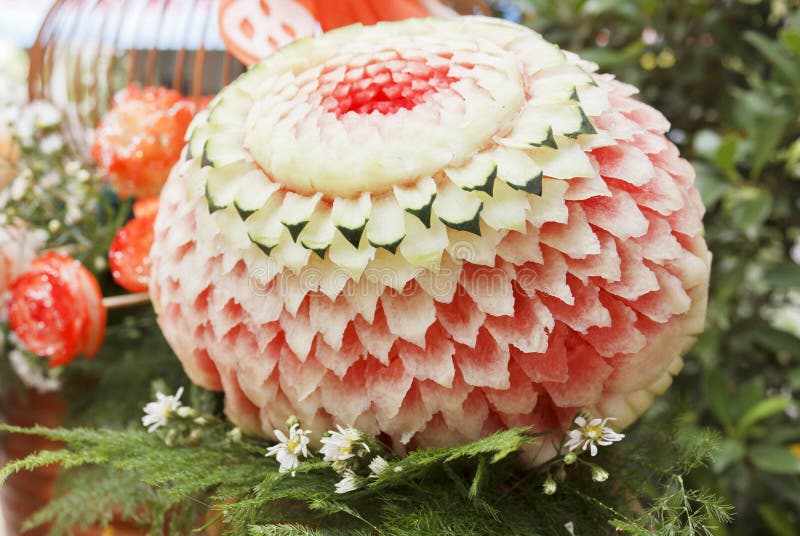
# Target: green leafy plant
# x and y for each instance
(197, 468)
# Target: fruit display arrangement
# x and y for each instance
(409, 276)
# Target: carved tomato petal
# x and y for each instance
(129, 255)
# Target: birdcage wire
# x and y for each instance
(87, 50)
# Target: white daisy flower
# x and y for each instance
(156, 414)
(588, 435)
(377, 467)
(289, 449)
(338, 446)
(349, 482)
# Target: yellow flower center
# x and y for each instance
(593, 432)
(293, 444)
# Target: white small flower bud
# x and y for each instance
(350, 482)
(570, 458)
(235, 435)
(54, 226)
(49, 181)
(185, 412)
(72, 167)
(291, 421)
(100, 263)
(45, 114)
(18, 188)
(599, 474)
(377, 466)
(342, 466)
(51, 144)
(795, 252)
(549, 487)
(73, 215)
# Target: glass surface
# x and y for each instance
(89, 49)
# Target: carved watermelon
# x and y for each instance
(430, 230)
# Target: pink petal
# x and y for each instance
(411, 417)
(621, 337)
(387, 386)
(587, 311)
(528, 330)
(329, 318)
(626, 163)
(461, 318)
(298, 332)
(438, 398)
(410, 313)
(340, 361)
(619, 215)
(575, 238)
(606, 264)
(345, 399)
(659, 244)
(519, 248)
(549, 277)
(375, 336)
(637, 279)
(302, 376)
(486, 365)
(669, 300)
(549, 366)
(584, 385)
(520, 397)
(434, 362)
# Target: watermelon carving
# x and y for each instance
(430, 230)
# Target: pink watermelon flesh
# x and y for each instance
(597, 298)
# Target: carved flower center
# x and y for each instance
(385, 87)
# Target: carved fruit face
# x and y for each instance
(430, 230)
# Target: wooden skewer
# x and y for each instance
(126, 300)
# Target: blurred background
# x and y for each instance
(20, 20)
(726, 73)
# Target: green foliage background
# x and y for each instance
(727, 75)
